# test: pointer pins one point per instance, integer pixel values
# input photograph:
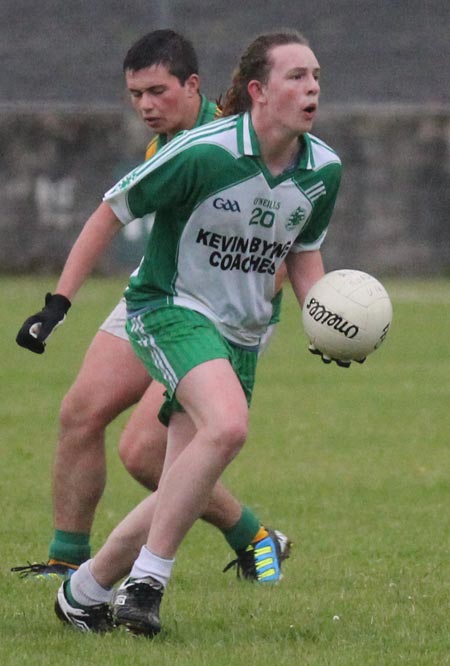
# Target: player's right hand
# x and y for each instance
(327, 359)
(37, 328)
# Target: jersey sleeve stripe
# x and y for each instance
(173, 148)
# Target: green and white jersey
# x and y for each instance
(208, 112)
(223, 223)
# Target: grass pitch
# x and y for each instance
(354, 465)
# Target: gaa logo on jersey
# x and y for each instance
(226, 204)
(296, 218)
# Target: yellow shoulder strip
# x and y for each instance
(151, 148)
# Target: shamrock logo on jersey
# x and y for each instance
(295, 218)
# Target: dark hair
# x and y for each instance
(255, 63)
(163, 47)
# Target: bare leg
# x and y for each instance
(115, 558)
(142, 445)
(142, 449)
(216, 405)
(110, 380)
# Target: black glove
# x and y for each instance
(36, 329)
(327, 359)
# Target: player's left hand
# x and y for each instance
(36, 329)
(327, 359)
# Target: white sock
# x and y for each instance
(85, 589)
(148, 564)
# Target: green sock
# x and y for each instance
(244, 531)
(71, 547)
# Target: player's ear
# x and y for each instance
(192, 84)
(256, 91)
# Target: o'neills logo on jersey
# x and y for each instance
(329, 318)
(226, 204)
(242, 254)
(267, 203)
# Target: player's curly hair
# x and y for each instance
(255, 63)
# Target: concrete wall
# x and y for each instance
(369, 50)
(392, 216)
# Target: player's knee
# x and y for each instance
(230, 433)
(81, 411)
(142, 458)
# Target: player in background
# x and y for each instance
(161, 73)
(195, 336)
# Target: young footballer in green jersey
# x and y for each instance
(233, 200)
(161, 74)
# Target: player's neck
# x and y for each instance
(279, 148)
(279, 155)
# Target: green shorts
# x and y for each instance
(172, 340)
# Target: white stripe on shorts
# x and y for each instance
(160, 360)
